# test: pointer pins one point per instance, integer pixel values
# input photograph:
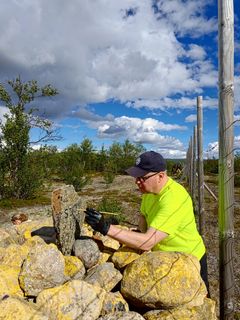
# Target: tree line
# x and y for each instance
(23, 170)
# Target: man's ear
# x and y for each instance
(161, 174)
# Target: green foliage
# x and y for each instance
(109, 173)
(237, 162)
(20, 179)
(237, 181)
(109, 205)
(124, 156)
(210, 166)
(72, 168)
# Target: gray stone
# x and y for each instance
(104, 276)
(87, 251)
(114, 302)
(75, 300)
(43, 268)
(67, 216)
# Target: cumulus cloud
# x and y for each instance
(191, 118)
(212, 150)
(170, 103)
(96, 50)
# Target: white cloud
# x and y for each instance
(172, 154)
(145, 131)
(96, 50)
(187, 16)
(196, 52)
(179, 104)
(212, 150)
(191, 118)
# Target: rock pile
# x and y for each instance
(99, 280)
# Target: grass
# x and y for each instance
(19, 203)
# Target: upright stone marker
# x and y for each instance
(67, 217)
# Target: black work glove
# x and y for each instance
(96, 220)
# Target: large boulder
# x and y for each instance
(17, 309)
(163, 279)
(74, 300)
(104, 276)
(43, 268)
(87, 251)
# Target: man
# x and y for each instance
(167, 221)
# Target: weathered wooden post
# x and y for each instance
(194, 164)
(201, 211)
(190, 165)
(226, 157)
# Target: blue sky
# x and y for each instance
(124, 69)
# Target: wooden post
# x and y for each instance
(226, 157)
(200, 166)
(190, 165)
(194, 165)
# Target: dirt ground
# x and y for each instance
(124, 190)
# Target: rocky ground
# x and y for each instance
(124, 191)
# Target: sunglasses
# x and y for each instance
(143, 179)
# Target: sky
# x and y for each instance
(124, 69)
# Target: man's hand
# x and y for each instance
(96, 220)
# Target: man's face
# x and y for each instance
(148, 182)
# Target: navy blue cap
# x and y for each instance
(149, 161)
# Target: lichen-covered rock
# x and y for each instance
(74, 300)
(17, 309)
(107, 242)
(104, 256)
(162, 279)
(206, 311)
(9, 281)
(124, 256)
(43, 268)
(131, 315)
(104, 276)
(67, 216)
(87, 251)
(114, 302)
(14, 255)
(30, 226)
(86, 230)
(74, 268)
(5, 238)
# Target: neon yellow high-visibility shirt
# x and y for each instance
(171, 211)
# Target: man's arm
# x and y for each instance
(142, 224)
(143, 241)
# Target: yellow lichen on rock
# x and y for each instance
(74, 300)
(27, 227)
(74, 268)
(146, 281)
(9, 281)
(124, 256)
(17, 309)
(206, 311)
